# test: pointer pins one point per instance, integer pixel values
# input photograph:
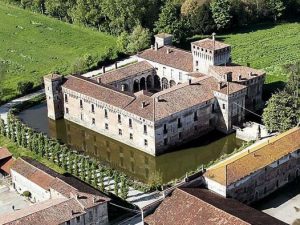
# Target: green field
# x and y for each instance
(34, 45)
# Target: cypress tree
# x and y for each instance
(2, 128)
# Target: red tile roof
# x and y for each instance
(6, 165)
(4, 153)
(124, 72)
(195, 206)
(209, 44)
(176, 58)
(237, 71)
(50, 212)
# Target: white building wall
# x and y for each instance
(21, 184)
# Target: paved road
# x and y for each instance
(6, 107)
(124, 62)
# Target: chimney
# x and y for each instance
(240, 77)
(152, 47)
(228, 76)
(73, 213)
(99, 80)
(168, 51)
(116, 65)
(214, 39)
(220, 85)
(143, 104)
(190, 81)
(123, 87)
(157, 99)
(156, 46)
(103, 69)
(250, 74)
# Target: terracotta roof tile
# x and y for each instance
(4, 153)
(258, 157)
(195, 206)
(50, 212)
(176, 58)
(239, 73)
(6, 165)
(124, 72)
(209, 44)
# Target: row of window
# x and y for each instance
(172, 73)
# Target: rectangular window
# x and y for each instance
(171, 73)
(93, 120)
(179, 135)
(67, 110)
(165, 141)
(119, 118)
(130, 123)
(106, 126)
(90, 215)
(105, 113)
(223, 106)
(180, 75)
(93, 108)
(165, 129)
(66, 98)
(120, 132)
(81, 116)
(131, 136)
(179, 124)
(145, 129)
(195, 116)
(81, 104)
(164, 71)
(146, 142)
(78, 219)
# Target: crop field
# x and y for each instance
(33, 45)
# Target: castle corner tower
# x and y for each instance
(54, 96)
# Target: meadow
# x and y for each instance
(33, 45)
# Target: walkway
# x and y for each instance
(121, 63)
(4, 109)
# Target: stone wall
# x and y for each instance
(110, 121)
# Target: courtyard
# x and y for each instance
(9, 198)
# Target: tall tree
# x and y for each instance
(276, 8)
(221, 12)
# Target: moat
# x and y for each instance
(133, 162)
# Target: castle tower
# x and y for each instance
(54, 96)
(209, 52)
(163, 39)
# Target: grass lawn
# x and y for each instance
(19, 152)
(34, 45)
(266, 47)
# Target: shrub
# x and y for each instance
(24, 87)
(27, 194)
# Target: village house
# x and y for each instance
(57, 199)
(167, 98)
(260, 170)
(196, 206)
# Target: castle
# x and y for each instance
(168, 97)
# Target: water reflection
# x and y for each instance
(132, 161)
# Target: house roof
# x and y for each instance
(67, 186)
(125, 72)
(256, 158)
(32, 173)
(170, 56)
(195, 206)
(50, 212)
(4, 153)
(6, 165)
(239, 73)
(209, 44)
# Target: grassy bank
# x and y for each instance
(33, 45)
(19, 152)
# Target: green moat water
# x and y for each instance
(133, 162)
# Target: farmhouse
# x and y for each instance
(258, 171)
(169, 97)
(57, 199)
